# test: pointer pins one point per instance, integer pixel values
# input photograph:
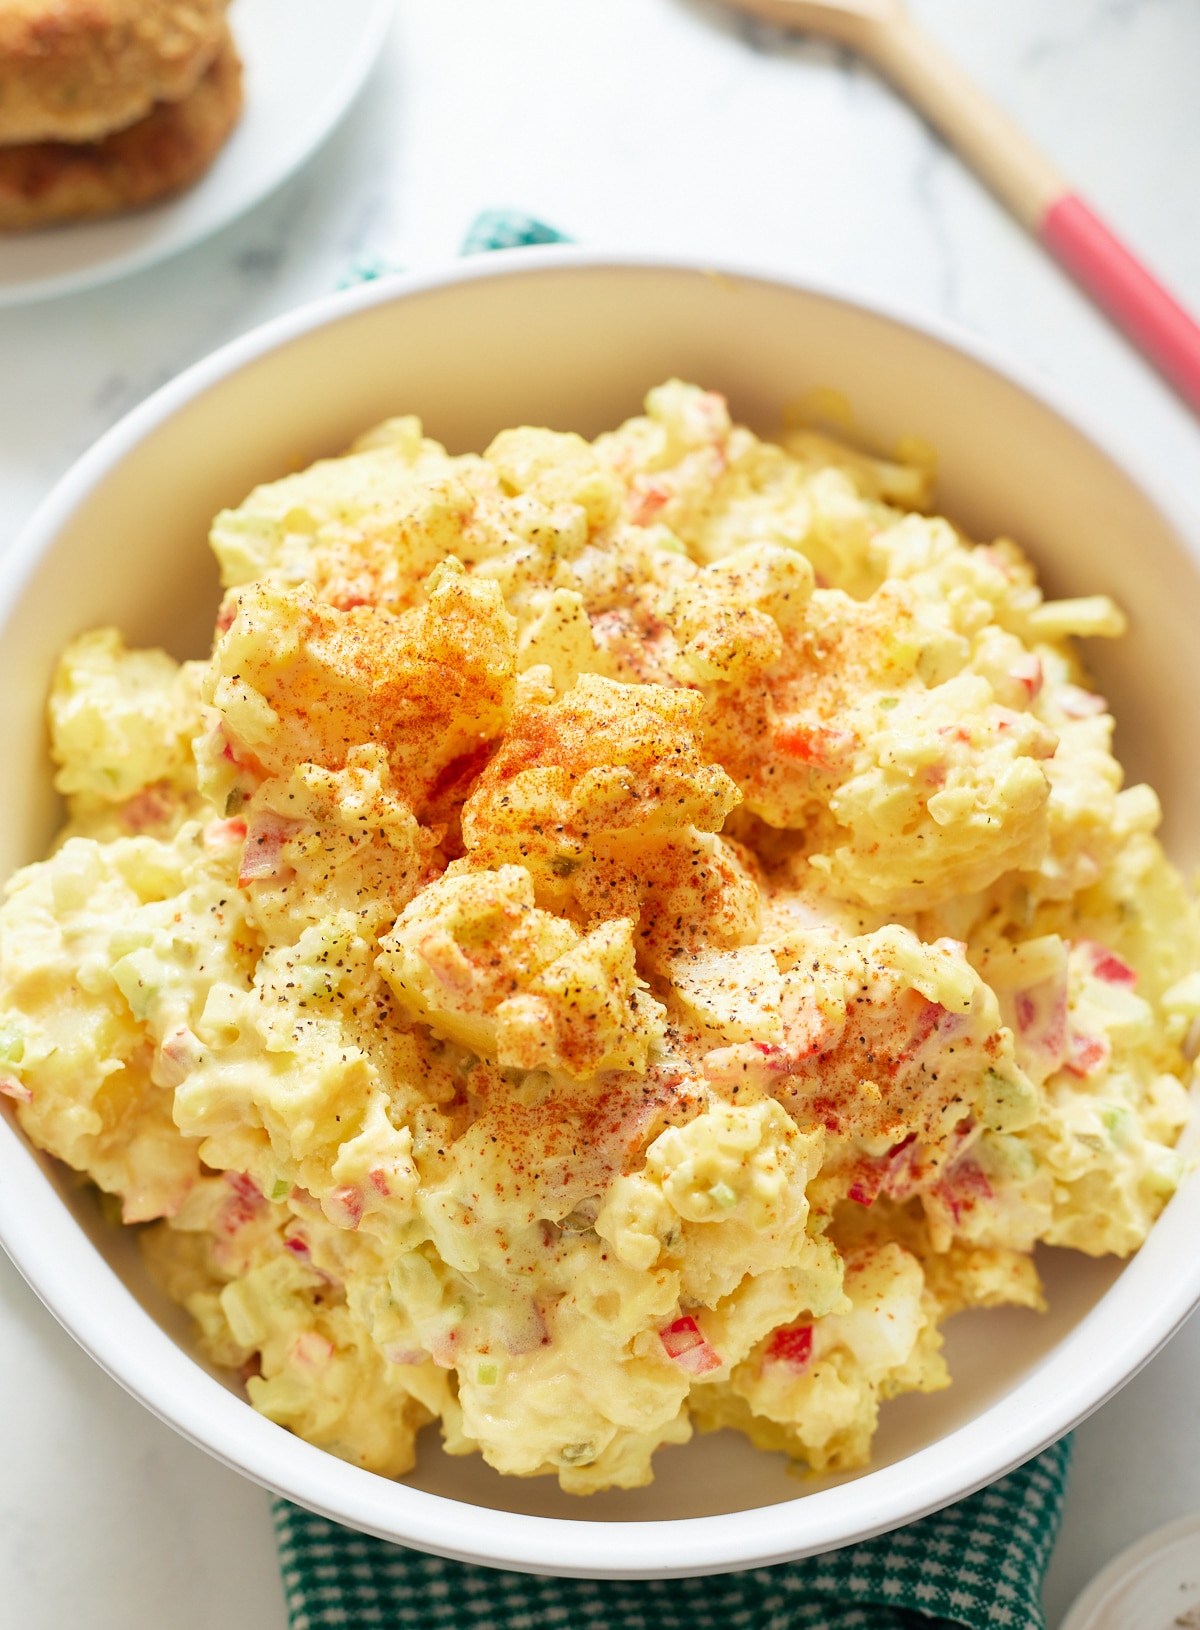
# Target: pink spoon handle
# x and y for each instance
(1020, 175)
(1137, 302)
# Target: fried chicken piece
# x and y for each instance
(78, 70)
(44, 182)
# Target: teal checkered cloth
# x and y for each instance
(979, 1563)
(493, 229)
(507, 229)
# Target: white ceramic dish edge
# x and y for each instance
(157, 1372)
(1135, 1591)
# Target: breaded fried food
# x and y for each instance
(45, 182)
(77, 70)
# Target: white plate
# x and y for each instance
(1154, 1585)
(305, 61)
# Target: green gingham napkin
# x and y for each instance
(979, 1563)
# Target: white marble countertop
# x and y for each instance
(655, 125)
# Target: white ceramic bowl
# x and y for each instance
(571, 340)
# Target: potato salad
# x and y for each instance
(618, 938)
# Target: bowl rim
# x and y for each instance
(52, 1255)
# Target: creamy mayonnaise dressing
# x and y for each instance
(618, 935)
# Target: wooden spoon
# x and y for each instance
(1016, 171)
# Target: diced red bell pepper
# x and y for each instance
(220, 835)
(890, 1174)
(792, 1346)
(1086, 1054)
(686, 1344)
(262, 855)
(242, 1206)
(962, 1186)
(1107, 966)
(344, 1207)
